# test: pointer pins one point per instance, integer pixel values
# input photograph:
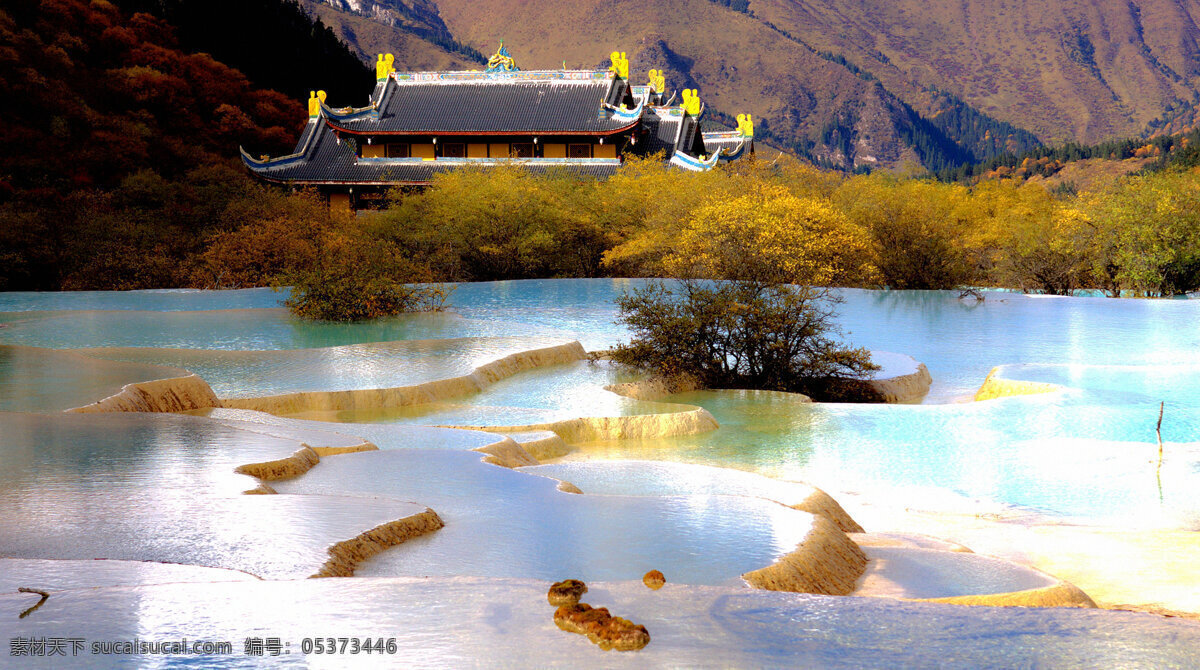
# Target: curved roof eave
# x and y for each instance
(466, 133)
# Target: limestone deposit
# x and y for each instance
(417, 394)
(822, 504)
(176, 394)
(566, 592)
(603, 629)
(654, 580)
(690, 420)
(827, 562)
(345, 556)
(995, 386)
(284, 468)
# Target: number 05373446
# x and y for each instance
(348, 645)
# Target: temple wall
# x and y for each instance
(374, 151)
(604, 151)
(422, 151)
(477, 151)
(339, 201)
(554, 150)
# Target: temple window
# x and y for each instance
(522, 150)
(395, 150)
(454, 150)
(579, 151)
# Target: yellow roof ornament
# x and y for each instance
(691, 102)
(745, 125)
(658, 83)
(620, 64)
(384, 66)
(315, 98)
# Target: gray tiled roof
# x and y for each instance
(483, 106)
(661, 132)
(328, 161)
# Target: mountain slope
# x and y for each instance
(802, 101)
(417, 37)
(1083, 70)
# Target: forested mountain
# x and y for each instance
(120, 146)
(274, 42)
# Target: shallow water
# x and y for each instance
(1087, 453)
(507, 623)
(543, 395)
(42, 380)
(502, 523)
(373, 365)
(162, 488)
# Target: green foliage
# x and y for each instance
(506, 223)
(355, 278)
(1148, 233)
(740, 334)
(274, 42)
(917, 229)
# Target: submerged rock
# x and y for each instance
(602, 628)
(654, 579)
(566, 592)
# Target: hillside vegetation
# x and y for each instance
(273, 42)
(120, 155)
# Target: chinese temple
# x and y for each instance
(418, 124)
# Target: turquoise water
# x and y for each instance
(553, 393)
(155, 487)
(502, 523)
(1088, 452)
(43, 380)
(373, 365)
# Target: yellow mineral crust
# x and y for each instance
(995, 386)
(603, 629)
(822, 504)
(298, 463)
(507, 454)
(1062, 594)
(566, 592)
(177, 394)
(827, 562)
(442, 389)
(568, 487)
(295, 465)
(689, 421)
(345, 556)
(550, 445)
(261, 490)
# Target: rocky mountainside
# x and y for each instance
(847, 83)
(412, 30)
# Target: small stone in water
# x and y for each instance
(566, 592)
(654, 579)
